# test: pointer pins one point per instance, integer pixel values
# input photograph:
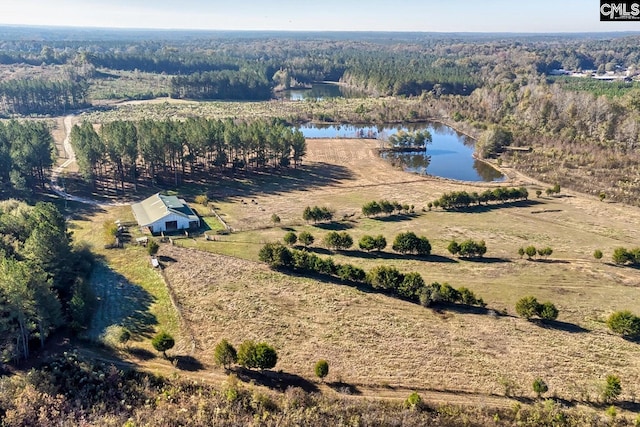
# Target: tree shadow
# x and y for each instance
(441, 307)
(164, 258)
(141, 353)
(395, 218)
(187, 363)
(280, 381)
(119, 302)
(344, 388)
(492, 207)
(334, 226)
(487, 260)
(394, 256)
(560, 326)
(550, 261)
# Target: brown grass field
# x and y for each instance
(377, 341)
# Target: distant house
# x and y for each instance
(161, 213)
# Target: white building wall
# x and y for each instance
(160, 225)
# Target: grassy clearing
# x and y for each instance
(118, 84)
(378, 341)
(411, 346)
(131, 292)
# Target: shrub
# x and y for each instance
(317, 214)
(202, 199)
(597, 254)
(266, 356)
(408, 242)
(624, 323)
(225, 354)
(247, 354)
(366, 243)
(530, 251)
(276, 255)
(109, 231)
(306, 238)
(386, 278)
(152, 247)
(527, 307)
(612, 388)
(540, 387)
(163, 342)
(471, 248)
(124, 336)
(275, 219)
(413, 402)
(351, 273)
(547, 311)
(290, 238)
(338, 241)
(521, 252)
(453, 248)
(321, 369)
(410, 286)
(545, 252)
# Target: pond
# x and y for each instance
(320, 91)
(449, 155)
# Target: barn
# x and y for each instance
(161, 213)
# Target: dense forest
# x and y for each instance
(246, 66)
(43, 278)
(27, 153)
(167, 150)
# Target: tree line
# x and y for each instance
(43, 278)
(410, 286)
(160, 151)
(27, 153)
(463, 199)
(42, 96)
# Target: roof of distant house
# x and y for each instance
(159, 206)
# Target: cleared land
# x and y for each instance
(372, 340)
(375, 340)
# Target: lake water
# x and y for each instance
(450, 155)
(319, 91)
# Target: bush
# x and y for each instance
(261, 355)
(321, 369)
(225, 354)
(152, 247)
(530, 251)
(317, 214)
(540, 387)
(413, 402)
(163, 342)
(410, 243)
(529, 306)
(338, 241)
(275, 219)
(624, 323)
(597, 254)
(306, 238)
(276, 255)
(386, 278)
(202, 199)
(612, 388)
(290, 238)
(410, 286)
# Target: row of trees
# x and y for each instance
(226, 84)
(42, 96)
(622, 256)
(249, 355)
(468, 248)
(317, 214)
(410, 286)
(167, 150)
(375, 208)
(529, 307)
(463, 199)
(43, 279)
(27, 153)
(531, 251)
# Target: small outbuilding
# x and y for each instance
(161, 213)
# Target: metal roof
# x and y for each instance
(158, 206)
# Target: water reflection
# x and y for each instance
(449, 155)
(319, 91)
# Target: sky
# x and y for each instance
(538, 16)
